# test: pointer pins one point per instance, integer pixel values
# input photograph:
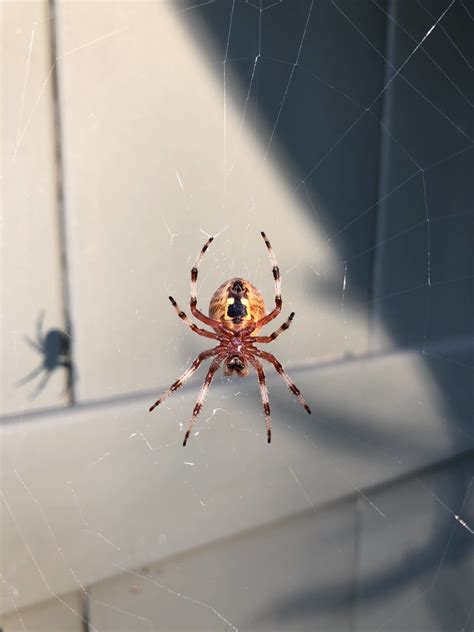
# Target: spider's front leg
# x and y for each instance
(202, 395)
(288, 381)
(30, 376)
(186, 375)
(264, 393)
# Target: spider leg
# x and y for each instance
(264, 393)
(202, 395)
(215, 324)
(276, 277)
(39, 328)
(186, 375)
(279, 368)
(42, 385)
(190, 324)
(67, 364)
(276, 333)
(30, 376)
(34, 345)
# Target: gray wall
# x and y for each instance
(344, 130)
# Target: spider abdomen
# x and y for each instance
(237, 303)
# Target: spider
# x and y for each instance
(236, 314)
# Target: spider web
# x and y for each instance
(364, 112)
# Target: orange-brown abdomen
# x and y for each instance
(237, 303)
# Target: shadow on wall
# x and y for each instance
(378, 146)
(416, 573)
(54, 347)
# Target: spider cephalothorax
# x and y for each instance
(235, 362)
(236, 314)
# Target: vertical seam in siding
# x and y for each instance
(60, 193)
(384, 165)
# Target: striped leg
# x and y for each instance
(194, 270)
(190, 324)
(278, 366)
(264, 393)
(276, 333)
(193, 301)
(202, 395)
(276, 277)
(186, 375)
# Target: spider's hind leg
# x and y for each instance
(215, 324)
(275, 268)
(194, 276)
(194, 271)
(277, 281)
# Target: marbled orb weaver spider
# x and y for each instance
(236, 313)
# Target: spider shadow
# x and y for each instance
(54, 346)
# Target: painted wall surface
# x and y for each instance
(131, 131)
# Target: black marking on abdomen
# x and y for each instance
(237, 311)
